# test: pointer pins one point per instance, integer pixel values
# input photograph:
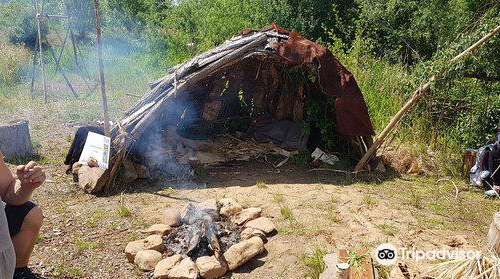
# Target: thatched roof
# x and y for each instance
(273, 43)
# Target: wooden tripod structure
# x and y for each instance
(417, 94)
(40, 15)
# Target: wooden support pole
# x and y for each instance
(59, 68)
(101, 70)
(414, 98)
(39, 27)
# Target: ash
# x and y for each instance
(178, 241)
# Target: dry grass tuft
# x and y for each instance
(484, 267)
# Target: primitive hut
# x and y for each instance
(259, 78)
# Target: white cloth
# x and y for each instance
(7, 254)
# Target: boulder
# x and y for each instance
(129, 173)
(186, 269)
(154, 242)
(246, 215)
(164, 266)
(229, 207)
(248, 233)
(172, 217)
(243, 251)
(132, 248)
(263, 224)
(142, 171)
(160, 229)
(92, 180)
(210, 267)
(146, 260)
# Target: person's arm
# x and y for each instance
(16, 190)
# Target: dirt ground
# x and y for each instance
(84, 235)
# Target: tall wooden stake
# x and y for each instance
(101, 70)
(39, 26)
(415, 97)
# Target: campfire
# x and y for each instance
(202, 240)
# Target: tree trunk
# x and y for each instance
(15, 140)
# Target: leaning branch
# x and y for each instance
(417, 94)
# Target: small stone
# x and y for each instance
(172, 217)
(154, 242)
(132, 248)
(164, 266)
(229, 207)
(92, 162)
(210, 267)
(246, 215)
(248, 233)
(243, 251)
(263, 224)
(160, 229)
(142, 171)
(186, 269)
(146, 260)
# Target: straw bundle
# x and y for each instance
(484, 267)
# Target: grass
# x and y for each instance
(387, 229)
(278, 198)
(369, 201)
(95, 218)
(314, 263)
(123, 211)
(261, 184)
(287, 214)
(83, 245)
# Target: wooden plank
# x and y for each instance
(366, 271)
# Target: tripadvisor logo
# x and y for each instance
(387, 254)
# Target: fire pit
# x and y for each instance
(202, 240)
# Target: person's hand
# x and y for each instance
(31, 175)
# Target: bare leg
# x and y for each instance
(25, 240)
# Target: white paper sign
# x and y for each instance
(97, 146)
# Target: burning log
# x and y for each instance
(204, 235)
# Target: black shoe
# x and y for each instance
(25, 273)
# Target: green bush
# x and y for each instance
(13, 60)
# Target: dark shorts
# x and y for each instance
(16, 214)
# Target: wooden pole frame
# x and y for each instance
(101, 71)
(417, 94)
(39, 13)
